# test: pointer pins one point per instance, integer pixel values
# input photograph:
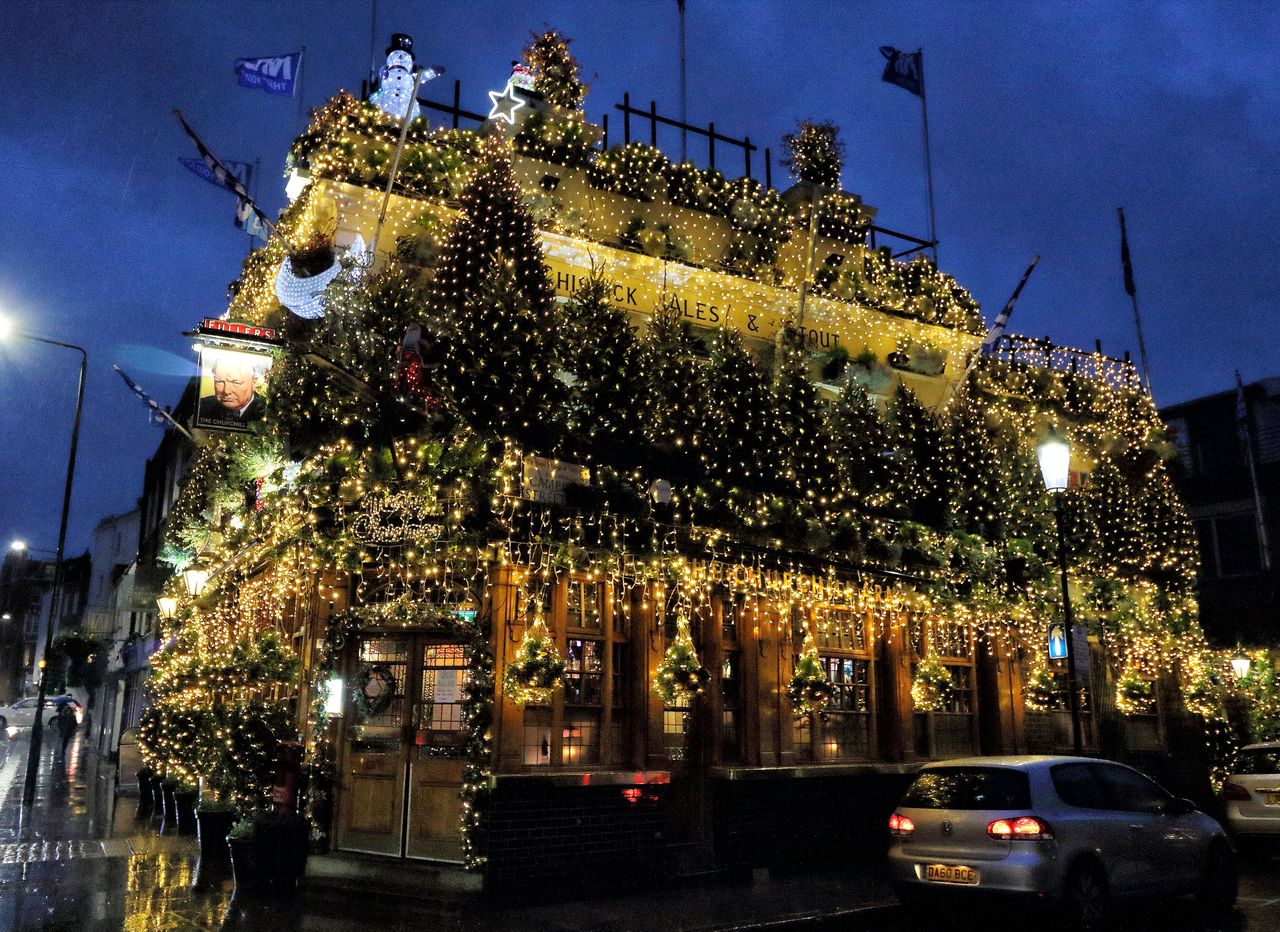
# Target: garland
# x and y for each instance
(809, 690)
(370, 704)
(680, 675)
(1038, 690)
(1133, 693)
(931, 685)
(537, 668)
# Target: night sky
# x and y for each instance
(1044, 118)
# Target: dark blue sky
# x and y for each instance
(1045, 117)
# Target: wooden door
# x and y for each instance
(402, 766)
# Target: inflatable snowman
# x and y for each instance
(394, 95)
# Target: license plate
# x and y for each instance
(1272, 799)
(950, 873)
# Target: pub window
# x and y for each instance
(582, 607)
(846, 722)
(584, 672)
(443, 675)
(675, 726)
(951, 640)
(960, 696)
(842, 629)
(730, 613)
(619, 734)
(537, 737)
(731, 706)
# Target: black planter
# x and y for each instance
(170, 823)
(185, 805)
(251, 877)
(145, 800)
(157, 795)
(214, 862)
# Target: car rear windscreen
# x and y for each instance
(969, 788)
(1258, 760)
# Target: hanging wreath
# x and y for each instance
(373, 691)
(809, 690)
(931, 685)
(537, 668)
(680, 675)
(1038, 690)
(1133, 693)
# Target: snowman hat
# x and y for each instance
(400, 42)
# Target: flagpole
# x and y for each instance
(257, 165)
(395, 163)
(297, 92)
(1132, 289)
(988, 345)
(928, 160)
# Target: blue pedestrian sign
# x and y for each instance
(1057, 642)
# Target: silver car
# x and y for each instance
(1071, 831)
(1252, 793)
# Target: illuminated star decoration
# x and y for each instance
(505, 105)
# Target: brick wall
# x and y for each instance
(538, 831)
(787, 820)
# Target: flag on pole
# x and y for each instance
(1002, 319)
(275, 74)
(243, 171)
(904, 69)
(224, 177)
(1129, 286)
(158, 414)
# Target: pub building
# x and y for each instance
(434, 750)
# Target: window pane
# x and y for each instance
(969, 788)
(1078, 785)
(1132, 791)
(584, 672)
(537, 737)
(581, 737)
(583, 607)
(1258, 760)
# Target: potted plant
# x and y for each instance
(680, 675)
(283, 842)
(246, 863)
(169, 786)
(214, 821)
(146, 801)
(184, 797)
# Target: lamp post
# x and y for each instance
(55, 592)
(1054, 454)
(1240, 664)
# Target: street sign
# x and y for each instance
(1057, 642)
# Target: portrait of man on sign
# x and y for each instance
(231, 383)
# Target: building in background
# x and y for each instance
(1235, 516)
(113, 617)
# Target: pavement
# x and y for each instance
(81, 861)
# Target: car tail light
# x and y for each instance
(1236, 792)
(900, 825)
(1025, 828)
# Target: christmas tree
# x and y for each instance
(496, 312)
(920, 462)
(600, 352)
(668, 373)
(555, 70)
(804, 438)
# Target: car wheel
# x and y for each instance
(1085, 899)
(1218, 888)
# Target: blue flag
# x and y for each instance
(905, 69)
(241, 170)
(275, 74)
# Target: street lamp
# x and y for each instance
(194, 579)
(55, 591)
(18, 546)
(1240, 664)
(166, 607)
(1054, 454)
